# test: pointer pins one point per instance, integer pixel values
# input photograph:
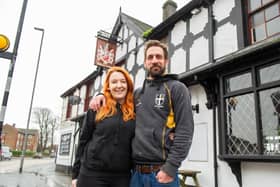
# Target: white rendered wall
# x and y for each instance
(139, 78)
(199, 21)
(97, 82)
(226, 6)
(199, 51)
(178, 61)
(126, 32)
(74, 108)
(225, 176)
(132, 43)
(64, 108)
(140, 75)
(103, 76)
(140, 56)
(83, 93)
(122, 48)
(130, 62)
(178, 33)
(256, 174)
(201, 153)
(225, 39)
(225, 42)
(140, 41)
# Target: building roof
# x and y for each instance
(90, 77)
(185, 12)
(137, 26)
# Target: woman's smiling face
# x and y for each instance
(118, 86)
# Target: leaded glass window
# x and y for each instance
(252, 112)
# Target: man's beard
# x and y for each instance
(158, 73)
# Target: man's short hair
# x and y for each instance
(157, 43)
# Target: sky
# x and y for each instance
(68, 49)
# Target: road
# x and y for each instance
(36, 172)
(8, 166)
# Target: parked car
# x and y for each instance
(5, 153)
(52, 155)
(38, 155)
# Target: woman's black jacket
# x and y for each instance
(105, 146)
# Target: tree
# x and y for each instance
(47, 123)
(53, 126)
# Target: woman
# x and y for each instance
(103, 157)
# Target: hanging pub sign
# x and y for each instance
(105, 51)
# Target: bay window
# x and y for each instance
(251, 112)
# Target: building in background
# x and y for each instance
(14, 138)
(32, 139)
(227, 53)
(9, 136)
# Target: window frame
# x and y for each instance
(250, 14)
(255, 89)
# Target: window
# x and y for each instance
(264, 19)
(81, 105)
(251, 105)
(68, 108)
(89, 94)
(64, 114)
(238, 82)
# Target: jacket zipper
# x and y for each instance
(163, 143)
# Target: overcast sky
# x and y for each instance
(68, 48)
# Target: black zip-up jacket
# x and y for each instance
(105, 146)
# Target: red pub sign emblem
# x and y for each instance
(105, 53)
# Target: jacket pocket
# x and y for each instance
(94, 147)
(93, 158)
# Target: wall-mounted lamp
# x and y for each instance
(232, 102)
(195, 11)
(195, 108)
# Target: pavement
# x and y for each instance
(36, 173)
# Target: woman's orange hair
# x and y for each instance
(110, 109)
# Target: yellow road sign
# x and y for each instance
(4, 43)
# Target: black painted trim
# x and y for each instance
(6, 55)
(163, 28)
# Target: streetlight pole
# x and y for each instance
(31, 102)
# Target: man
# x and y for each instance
(159, 148)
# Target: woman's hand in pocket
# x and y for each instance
(74, 182)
